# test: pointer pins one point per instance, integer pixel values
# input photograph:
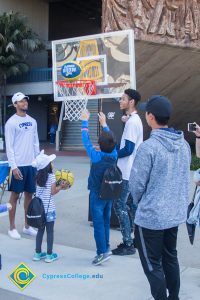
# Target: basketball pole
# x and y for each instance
(100, 102)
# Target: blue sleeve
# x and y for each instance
(118, 147)
(3, 208)
(127, 150)
(115, 154)
(94, 155)
(106, 129)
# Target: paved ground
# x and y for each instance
(122, 276)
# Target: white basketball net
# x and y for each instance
(81, 89)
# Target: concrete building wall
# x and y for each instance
(167, 51)
(37, 12)
(31, 88)
(175, 22)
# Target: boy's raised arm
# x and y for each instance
(102, 121)
(94, 155)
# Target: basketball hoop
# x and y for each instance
(80, 89)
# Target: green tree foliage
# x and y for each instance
(17, 40)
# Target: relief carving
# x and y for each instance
(166, 21)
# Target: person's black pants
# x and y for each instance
(158, 255)
(50, 229)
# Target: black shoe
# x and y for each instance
(124, 249)
(134, 243)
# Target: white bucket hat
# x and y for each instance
(18, 97)
(42, 160)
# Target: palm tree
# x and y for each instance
(17, 40)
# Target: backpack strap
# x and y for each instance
(48, 204)
(49, 198)
(109, 159)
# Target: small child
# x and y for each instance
(100, 209)
(45, 189)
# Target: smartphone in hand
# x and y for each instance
(192, 127)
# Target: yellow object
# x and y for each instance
(91, 69)
(64, 175)
(22, 276)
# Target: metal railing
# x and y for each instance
(34, 75)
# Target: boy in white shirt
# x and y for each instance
(22, 146)
(132, 137)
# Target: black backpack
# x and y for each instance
(36, 213)
(111, 186)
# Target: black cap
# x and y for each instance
(159, 106)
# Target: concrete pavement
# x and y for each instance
(122, 276)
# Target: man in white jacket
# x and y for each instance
(22, 146)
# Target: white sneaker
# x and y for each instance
(14, 234)
(30, 231)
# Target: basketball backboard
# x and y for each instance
(107, 58)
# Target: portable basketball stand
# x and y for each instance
(100, 67)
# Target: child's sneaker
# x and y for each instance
(51, 257)
(108, 252)
(99, 259)
(39, 256)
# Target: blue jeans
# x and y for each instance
(120, 207)
(131, 207)
(52, 138)
(101, 212)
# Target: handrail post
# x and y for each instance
(59, 130)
